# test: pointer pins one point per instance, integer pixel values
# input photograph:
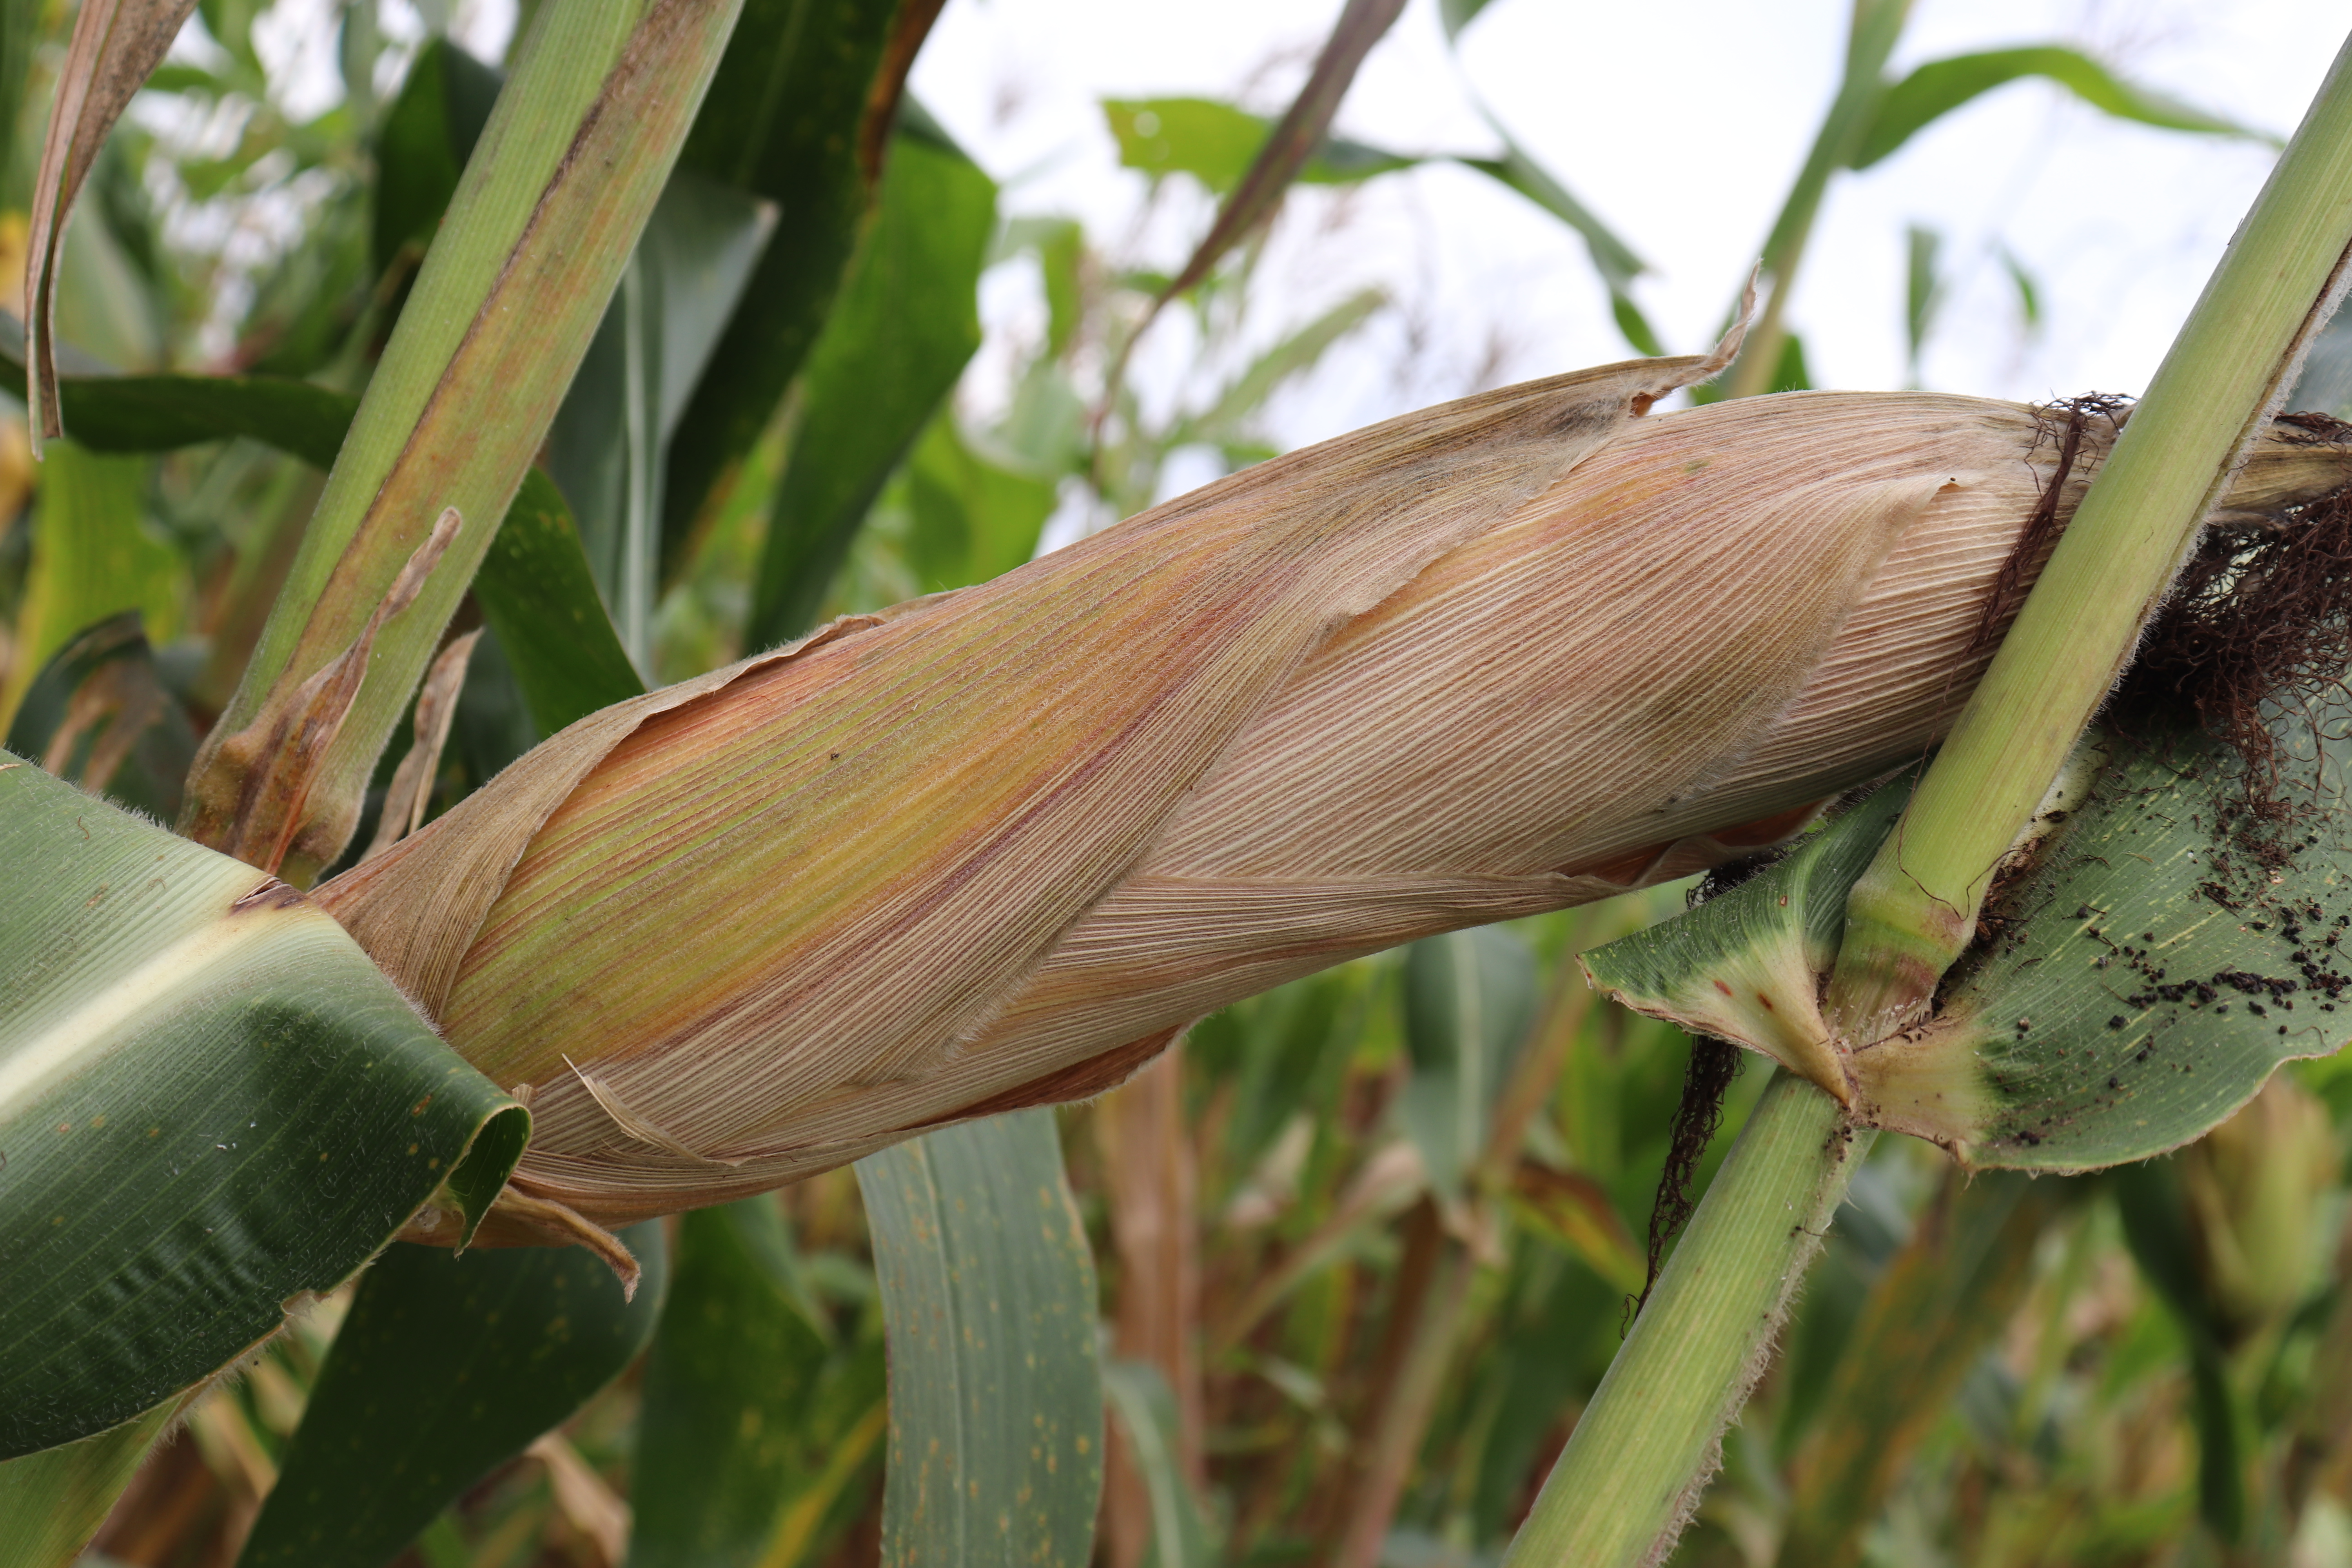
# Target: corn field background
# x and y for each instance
(1366, 1243)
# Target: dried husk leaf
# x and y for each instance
(116, 44)
(996, 848)
(411, 790)
(878, 834)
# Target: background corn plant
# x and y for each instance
(1364, 1243)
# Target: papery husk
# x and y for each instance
(997, 848)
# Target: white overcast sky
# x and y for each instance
(1681, 125)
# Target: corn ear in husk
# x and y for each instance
(996, 848)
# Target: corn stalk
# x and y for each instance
(1916, 908)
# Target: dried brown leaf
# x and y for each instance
(411, 790)
(278, 756)
(116, 44)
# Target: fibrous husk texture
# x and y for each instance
(997, 846)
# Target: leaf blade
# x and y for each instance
(996, 1395)
(1939, 87)
(745, 1402)
(154, 988)
(446, 1367)
(535, 585)
(907, 322)
(841, 70)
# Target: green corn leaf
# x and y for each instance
(1216, 143)
(1212, 141)
(1789, 373)
(988, 1295)
(2157, 1229)
(908, 320)
(755, 1425)
(538, 594)
(1182, 1536)
(19, 30)
(1923, 288)
(52, 1503)
(422, 148)
(98, 714)
(93, 556)
(535, 586)
(1612, 256)
(1936, 88)
(211, 1103)
(1225, 421)
(1059, 245)
(164, 413)
(446, 1367)
(1469, 997)
(608, 449)
(2029, 293)
(800, 113)
(1457, 15)
(968, 519)
(1937, 1306)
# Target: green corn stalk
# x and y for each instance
(565, 174)
(1915, 908)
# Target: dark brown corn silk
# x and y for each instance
(1698, 1117)
(2256, 635)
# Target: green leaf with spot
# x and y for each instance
(2147, 976)
(996, 1399)
(446, 1367)
(2141, 972)
(211, 1105)
(1742, 966)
